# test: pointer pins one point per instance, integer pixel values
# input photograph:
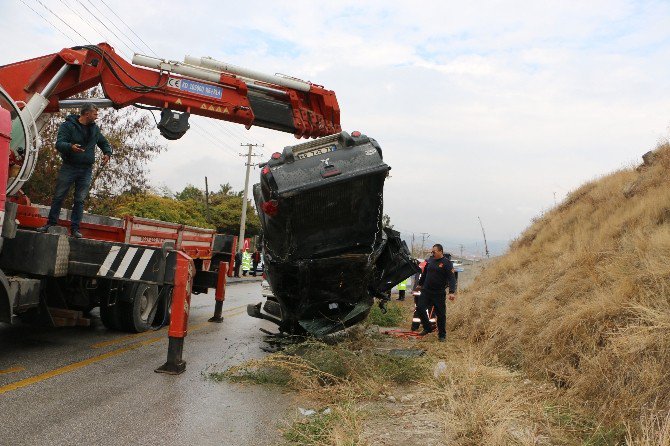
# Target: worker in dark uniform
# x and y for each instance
(255, 260)
(238, 263)
(437, 275)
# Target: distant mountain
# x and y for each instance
(471, 247)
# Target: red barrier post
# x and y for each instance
(220, 293)
(181, 302)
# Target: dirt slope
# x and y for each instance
(583, 296)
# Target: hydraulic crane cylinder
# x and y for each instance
(213, 64)
(176, 67)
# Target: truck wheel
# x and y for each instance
(109, 315)
(138, 309)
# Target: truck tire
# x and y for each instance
(109, 315)
(138, 308)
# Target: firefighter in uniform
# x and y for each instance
(246, 262)
(437, 275)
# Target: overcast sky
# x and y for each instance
(490, 109)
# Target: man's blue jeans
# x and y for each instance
(69, 174)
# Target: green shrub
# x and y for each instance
(392, 318)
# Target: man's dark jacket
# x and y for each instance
(437, 275)
(87, 136)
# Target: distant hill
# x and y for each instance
(470, 247)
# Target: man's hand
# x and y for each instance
(418, 288)
(452, 297)
(105, 159)
(77, 148)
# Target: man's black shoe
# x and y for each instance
(44, 228)
(425, 332)
(76, 234)
(441, 339)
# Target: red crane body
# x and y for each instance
(314, 113)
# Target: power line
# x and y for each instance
(211, 138)
(128, 26)
(217, 140)
(112, 23)
(233, 132)
(105, 25)
(49, 22)
(58, 17)
(195, 125)
(82, 19)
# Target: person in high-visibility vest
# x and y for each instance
(246, 262)
(402, 286)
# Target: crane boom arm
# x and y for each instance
(306, 112)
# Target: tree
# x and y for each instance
(190, 192)
(148, 205)
(187, 207)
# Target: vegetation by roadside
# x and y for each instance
(393, 317)
(456, 394)
(582, 300)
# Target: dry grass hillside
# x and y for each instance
(583, 298)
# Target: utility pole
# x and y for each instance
(424, 236)
(461, 245)
(486, 246)
(243, 219)
(412, 251)
(207, 200)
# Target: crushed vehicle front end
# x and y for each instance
(326, 253)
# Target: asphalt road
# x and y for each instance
(75, 386)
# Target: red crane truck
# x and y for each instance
(140, 272)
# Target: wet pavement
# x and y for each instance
(74, 386)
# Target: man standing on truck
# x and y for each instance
(77, 138)
(437, 275)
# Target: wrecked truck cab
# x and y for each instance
(326, 253)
